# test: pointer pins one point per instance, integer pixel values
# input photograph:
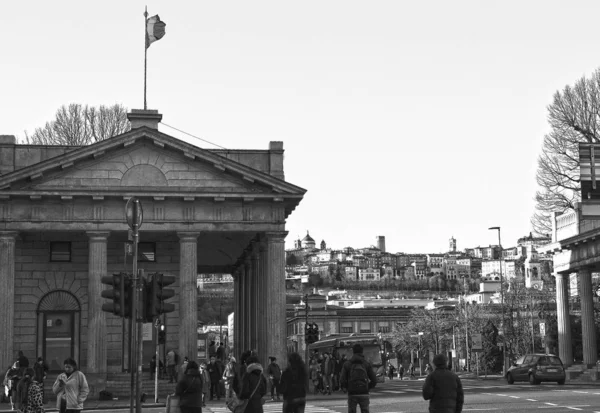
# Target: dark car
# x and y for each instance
(536, 368)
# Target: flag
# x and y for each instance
(155, 30)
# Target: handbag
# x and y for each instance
(237, 405)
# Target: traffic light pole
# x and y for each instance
(140, 340)
(305, 329)
(134, 397)
(157, 368)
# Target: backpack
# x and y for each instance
(358, 381)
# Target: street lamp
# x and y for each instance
(419, 354)
(501, 300)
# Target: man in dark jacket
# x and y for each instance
(358, 378)
(274, 373)
(214, 370)
(443, 388)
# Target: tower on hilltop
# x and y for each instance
(452, 244)
(380, 242)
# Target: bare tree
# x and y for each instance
(574, 117)
(79, 125)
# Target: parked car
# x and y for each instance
(537, 368)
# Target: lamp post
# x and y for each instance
(501, 300)
(419, 354)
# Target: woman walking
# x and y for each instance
(71, 388)
(294, 383)
(254, 386)
(30, 393)
(190, 389)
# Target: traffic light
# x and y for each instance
(315, 331)
(162, 335)
(307, 333)
(311, 333)
(156, 295)
(119, 295)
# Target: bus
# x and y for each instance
(342, 345)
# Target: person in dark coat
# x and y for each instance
(23, 361)
(41, 371)
(443, 388)
(215, 372)
(254, 384)
(294, 384)
(237, 379)
(189, 389)
(357, 396)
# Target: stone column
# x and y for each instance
(275, 282)
(246, 304)
(7, 297)
(565, 349)
(253, 302)
(188, 296)
(97, 268)
(263, 304)
(588, 327)
(236, 312)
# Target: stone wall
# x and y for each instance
(36, 276)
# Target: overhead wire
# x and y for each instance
(193, 136)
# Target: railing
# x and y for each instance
(566, 225)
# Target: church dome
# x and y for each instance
(307, 238)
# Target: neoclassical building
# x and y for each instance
(576, 250)
(63, 227)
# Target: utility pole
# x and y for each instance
(305, 327)
(501, 301)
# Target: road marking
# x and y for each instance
(531, 400)
(514, 397)
(551, 404)
(579, 391)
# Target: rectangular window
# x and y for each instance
(146, 252)
(346, 327)
(365, 326)
(60, 251)
(384, 327)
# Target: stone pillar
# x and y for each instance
(275, 282)
(565, 349)
(7, 297)
(188, 296)
(97, 268)
(253, 302)
(236, 314)
(588, 327)
(263, 304)
(246, 303)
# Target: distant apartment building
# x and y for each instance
(490, 269)
(369, 274)
(435, 264)
(402, 260)
(351, 272)
(388, 272)
(469, 267)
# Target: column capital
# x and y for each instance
(188, 236)
(98, 235)
(275, 236)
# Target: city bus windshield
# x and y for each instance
(371, 353)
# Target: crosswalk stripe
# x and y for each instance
(271, 408)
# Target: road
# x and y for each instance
(494, 396)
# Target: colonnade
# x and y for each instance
(259, 307)
(588, 326)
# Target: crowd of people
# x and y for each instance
(223, 377)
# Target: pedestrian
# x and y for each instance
(189, 389)
(428, 369)
(11, 380)
(228, 377)
(215, 375)
(181, 370)
(71, 388)
(443, 388)
(358, 378)
(23, 361)
(172, 362)
(390, 370)
(314, 371)
(401, 371)
(41, 372)
(411, 369)
(338, 371)
(212, 349)
(274, 374)
(327, 367)
(254, 386)
(294, 384)
(153, 367)
(205, 383)
(30, 393)
(220, 353)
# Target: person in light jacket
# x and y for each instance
(71, 388)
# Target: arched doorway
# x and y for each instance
(58, 315)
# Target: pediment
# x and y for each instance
(145, 166)
(146, 160)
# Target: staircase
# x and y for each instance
(119, 384)
(581, 373)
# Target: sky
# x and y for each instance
(415, 120)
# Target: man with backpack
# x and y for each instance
(358, 378)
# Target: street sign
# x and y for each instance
(543, 329)
(476, 342)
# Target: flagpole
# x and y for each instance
(145, 53)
